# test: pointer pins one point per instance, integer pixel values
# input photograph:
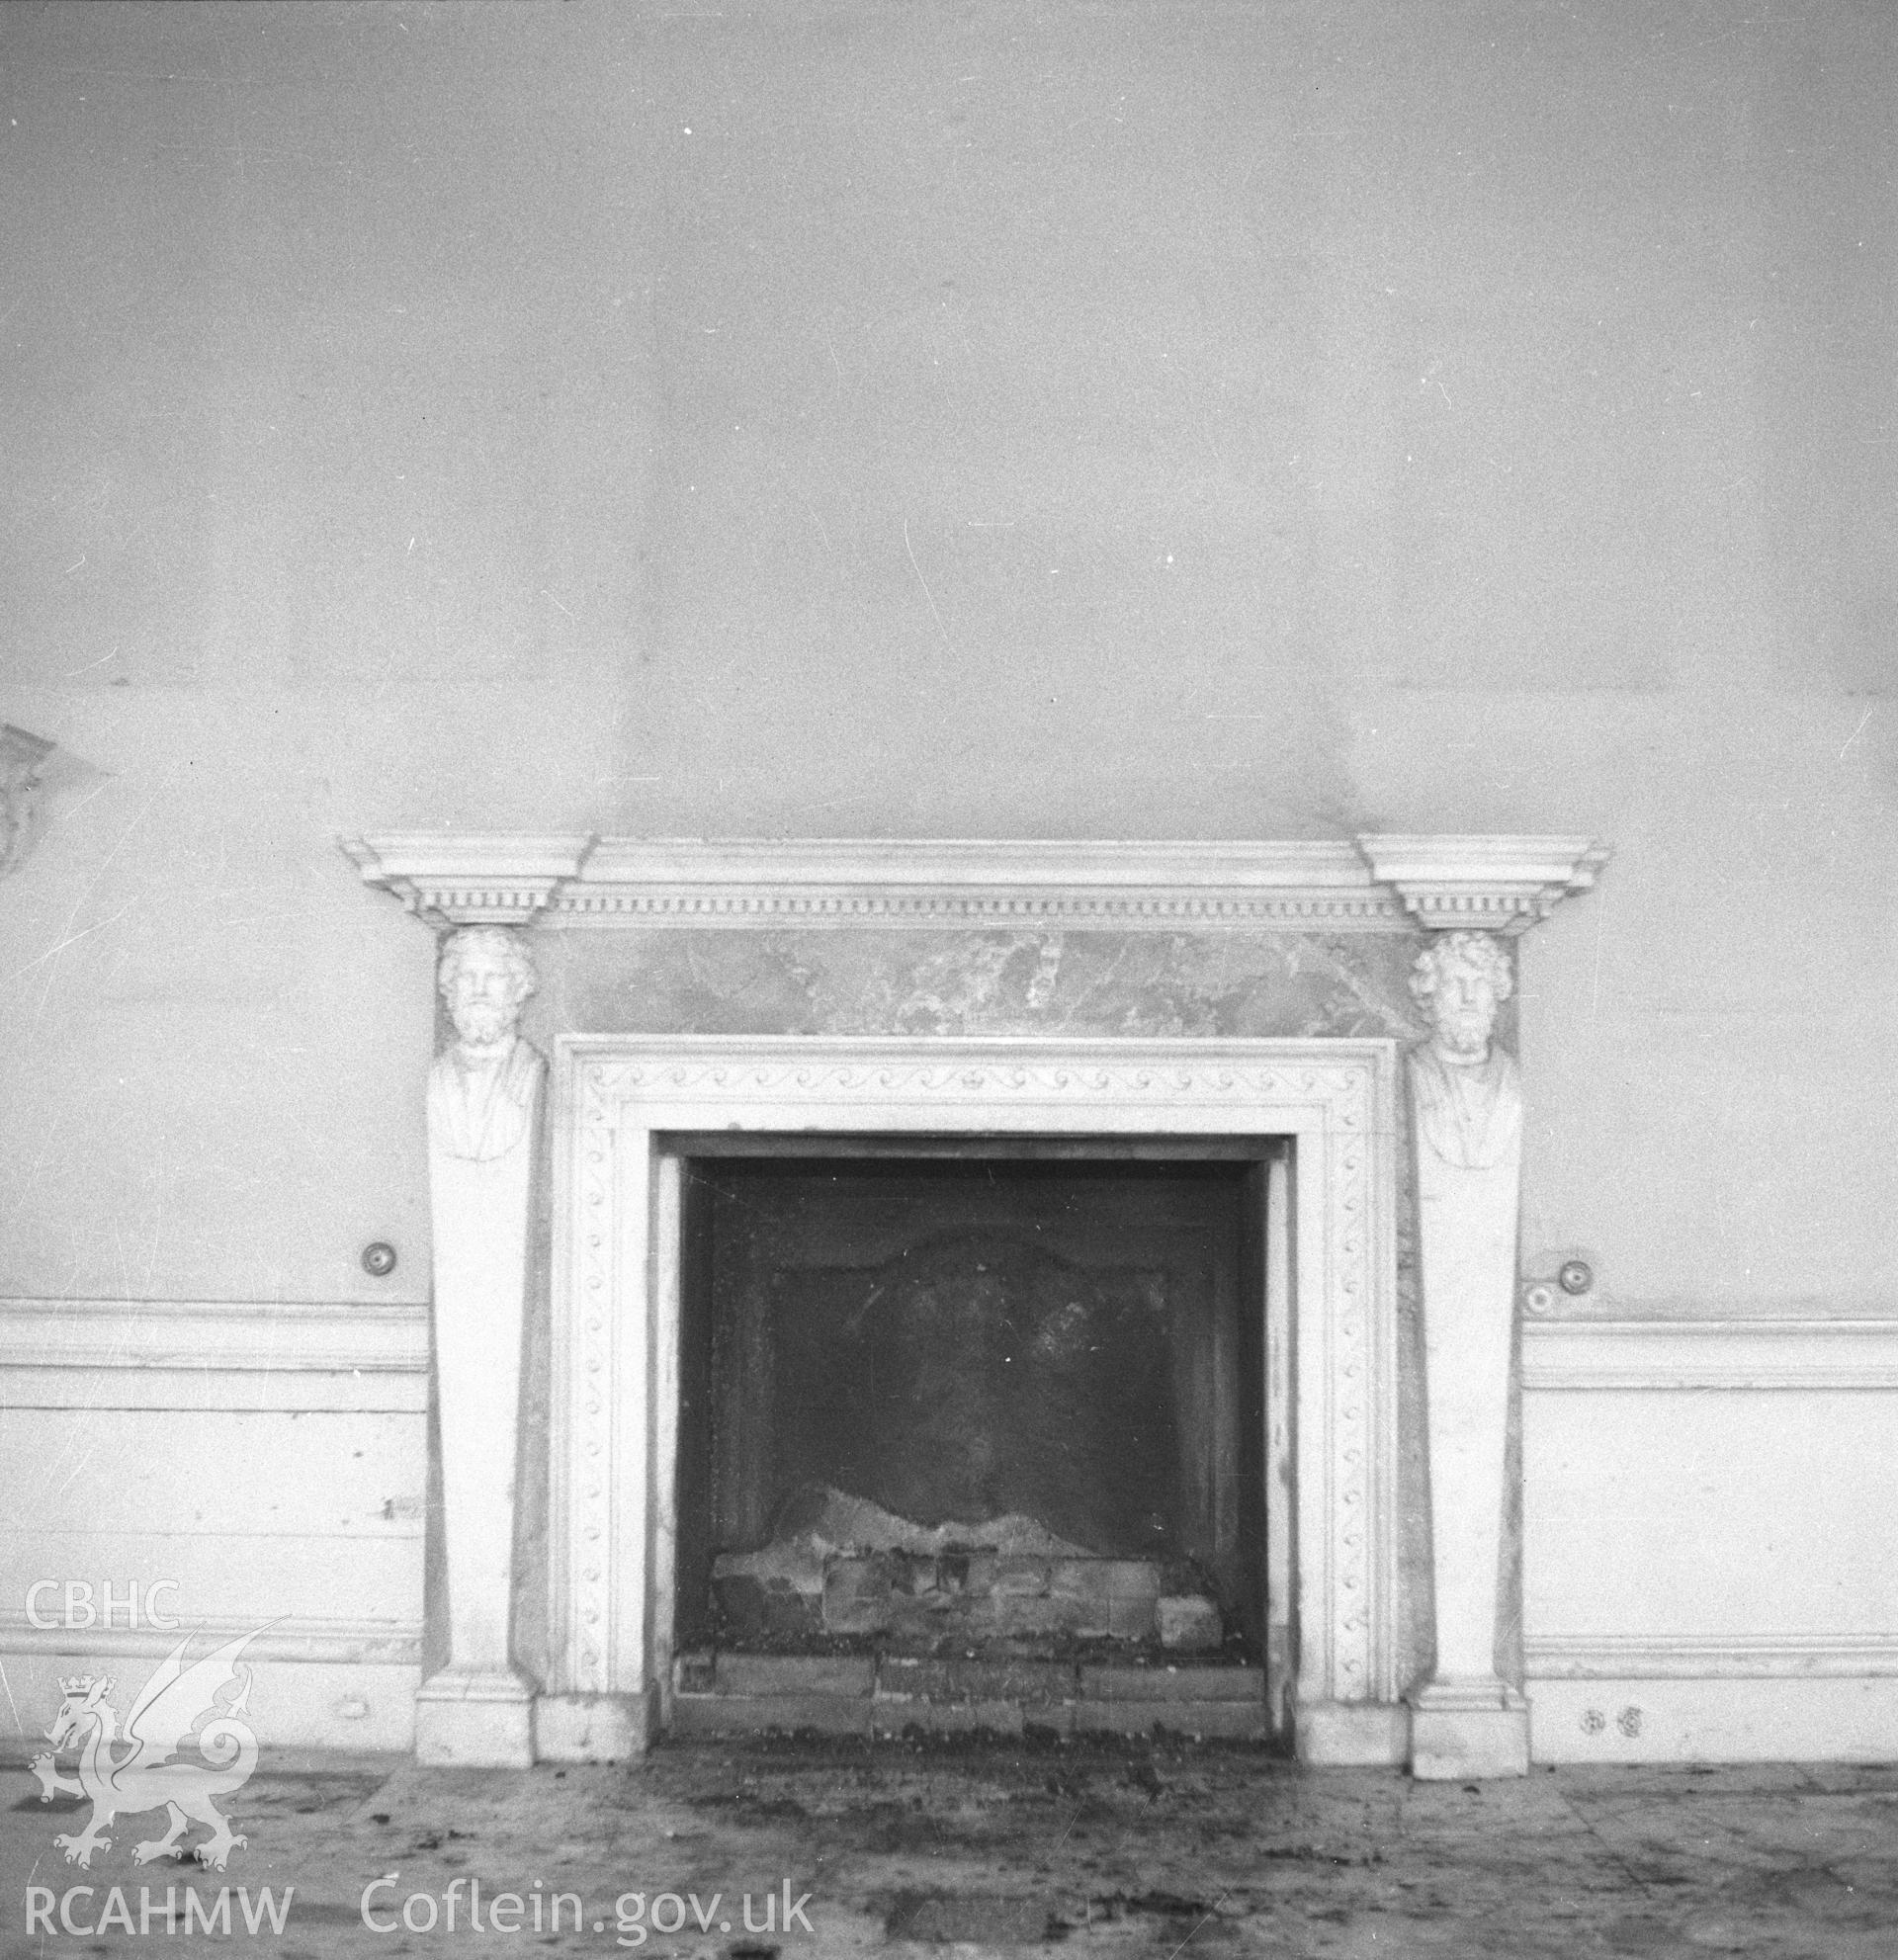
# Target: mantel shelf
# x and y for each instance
(1372, 882)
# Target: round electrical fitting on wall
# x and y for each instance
(1576, 1276)
(379, 1259)
(1539, 1298)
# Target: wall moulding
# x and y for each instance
(1583, 1657)
(1577, 1355)
(224, 1334)
(203, 1354)
(334, 1643)
(1374, 884)
(266, 1458)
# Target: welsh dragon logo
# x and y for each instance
(143, 1769)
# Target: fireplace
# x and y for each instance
(1307, 1517)
(971, 1398)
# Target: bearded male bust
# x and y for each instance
(1466, 1089)
(484, 1087)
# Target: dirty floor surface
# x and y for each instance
(975, 1849)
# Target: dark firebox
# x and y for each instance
(931, 1401)
(975, 1374)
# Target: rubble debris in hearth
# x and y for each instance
(1189, 1622)
(818, 1523)
(841, 1565)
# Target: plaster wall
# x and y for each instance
(1206, 420)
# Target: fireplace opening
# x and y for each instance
(997, 1399)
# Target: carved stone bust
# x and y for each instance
(1466, 1091)
(482, 1087)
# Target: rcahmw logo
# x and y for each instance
(54, 1913)
(184, 1743)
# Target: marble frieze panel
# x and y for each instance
(1216, 985)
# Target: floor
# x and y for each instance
(974, 1850)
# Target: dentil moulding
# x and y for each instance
(1376, 884)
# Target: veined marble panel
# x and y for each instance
(880, 981)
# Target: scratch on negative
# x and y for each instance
(92, 885)
(1211, 1910)
(71, 939)
(1855, 733)
(925, 583)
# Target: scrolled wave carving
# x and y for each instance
(1340, 1088)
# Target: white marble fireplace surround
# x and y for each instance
(617, 1312)
(618, 1094)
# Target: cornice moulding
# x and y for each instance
(948, 883)
(469, 880)
(1375, 884)
(1486, 883)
